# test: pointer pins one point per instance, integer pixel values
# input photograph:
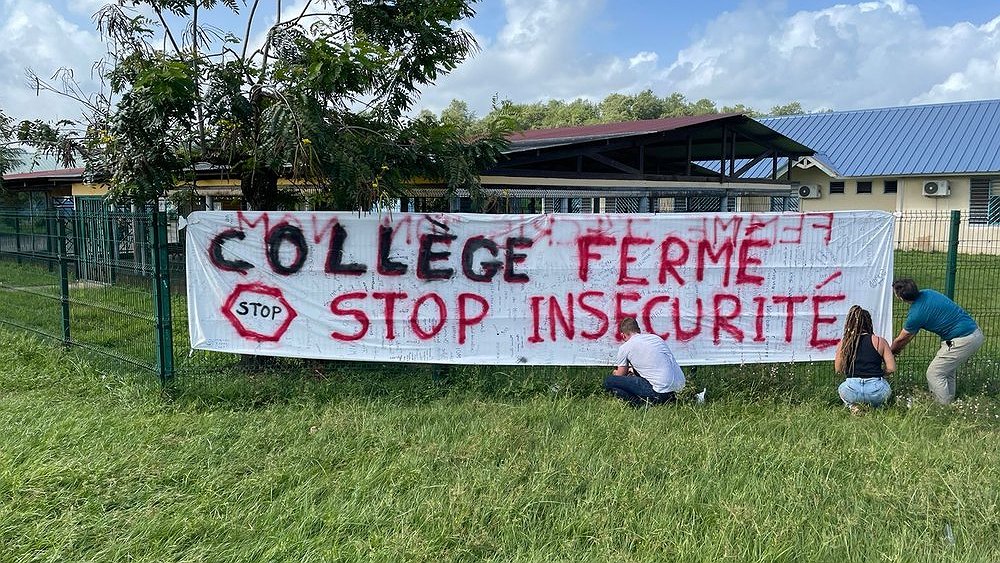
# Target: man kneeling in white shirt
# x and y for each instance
(655, 377)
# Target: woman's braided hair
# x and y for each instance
(859, 321)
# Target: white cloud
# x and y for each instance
(541, 53)
(980, 79)
(846, 56)
(980, 76)
(86, 8)
(643, 58)
(35, 35)
(867, 54)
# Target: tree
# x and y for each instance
(791, 108)
(618, 107)
(10, 153)
(623, 107)
(646, 105)
(740, 108)
(675, 105)
(703, 106)
(323, 101)
(458, 115)
(572, 114)
(615, 107)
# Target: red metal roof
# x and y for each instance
(49, 174)
(618, 129)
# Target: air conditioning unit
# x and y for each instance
(936, 188)
(810, 191)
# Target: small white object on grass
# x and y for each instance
(700, 397)
(948, 535)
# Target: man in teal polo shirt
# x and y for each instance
(960, 335)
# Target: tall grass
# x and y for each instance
(358, 463)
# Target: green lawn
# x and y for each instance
(356, 463)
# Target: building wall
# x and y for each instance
(930, 216)
(850, 199)
(908, 197)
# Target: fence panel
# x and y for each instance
(85, 278)
(972, 273)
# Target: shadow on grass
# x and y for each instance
(225, 381)
(254, 382)
(257, 382)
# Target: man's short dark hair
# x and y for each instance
(628, 326)
(906, 289)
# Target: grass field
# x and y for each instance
(352, 462)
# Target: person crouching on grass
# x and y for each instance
(865, 359)
(655, 376)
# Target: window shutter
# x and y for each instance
(979, 201)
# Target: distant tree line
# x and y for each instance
(614, 108)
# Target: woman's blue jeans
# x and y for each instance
(872, 391)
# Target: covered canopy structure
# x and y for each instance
(691, 163)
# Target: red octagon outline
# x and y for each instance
(245, 332)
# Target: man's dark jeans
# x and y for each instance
(636, 390)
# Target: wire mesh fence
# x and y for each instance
(113, 283)
(943, 251)
(86, 278)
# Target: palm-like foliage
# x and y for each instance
(10, 153)
(322, 101)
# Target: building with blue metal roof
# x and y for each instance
(924, 157)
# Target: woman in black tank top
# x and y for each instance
(865, 360)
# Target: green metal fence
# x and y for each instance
(112, 282)
(91, 278)
(943, 251)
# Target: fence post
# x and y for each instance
(161, 298)
(17, 238)
(952, 267)
(48, 240)
(63, 279)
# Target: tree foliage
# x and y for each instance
(613, 108)
(10, 152)
(323, 101)
(791, 108)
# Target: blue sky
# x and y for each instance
(757, 52)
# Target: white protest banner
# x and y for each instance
(535, 289)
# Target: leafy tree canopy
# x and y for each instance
(323, 100)
(614, 108)
(10, 153)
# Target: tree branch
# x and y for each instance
(246, 36)
(167, 33)
(198, 100)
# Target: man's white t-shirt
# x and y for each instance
(651, 358)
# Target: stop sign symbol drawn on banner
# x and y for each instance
(258, 312)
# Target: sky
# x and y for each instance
(759, 53)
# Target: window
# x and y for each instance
(628, 205)
(698, 204)
(889, 186)
(984, 201)
(782, 203)
(864, 187)
(836, 187)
